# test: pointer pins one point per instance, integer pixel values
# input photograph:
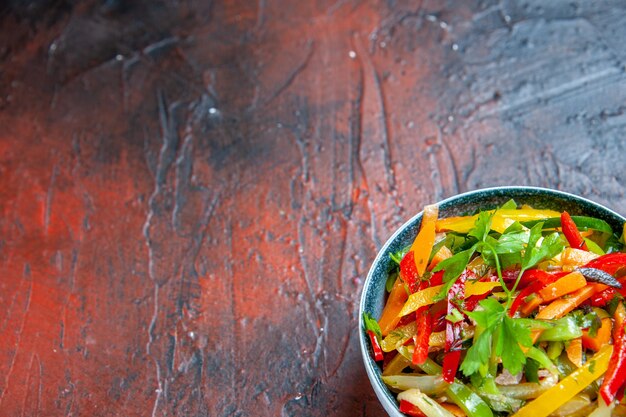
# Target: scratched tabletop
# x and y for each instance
(191, 192)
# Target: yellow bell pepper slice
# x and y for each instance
(578, 380)
(426, 296)
(500, 221)
(398, 337)
(423, 244)
(402, 334)
(396, 365)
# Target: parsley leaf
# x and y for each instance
(481, 226)
(533, 238)
(455, 265)
(487, 321)
(489, 315)
(478, 354)
(397, 256)
(551, 246)
(514, 227)
(509, 205)
(501, 335)
(510, 335)
(371, 324)
(511, 242)
(589, 321)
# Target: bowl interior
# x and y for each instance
(372, 298)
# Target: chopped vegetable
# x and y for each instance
(616, 372)
(601, 338)
(396, 365)
(570, 230)
(389, 319)
(562, 330)
(423, 244)
(574, 351)
(424, 324)
(428, 384)
(569, 283)
(573, 258)
(410, 409)
(598, 275)
(426, 405)
(582, 222)
(409, 273)
(562, 306)
(609, 263)
(377, 351)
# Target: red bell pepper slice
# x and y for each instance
(424, 321)
(570, 230)
(453, 330)
(450, 365)
(519, 300)
(609, 263)
(616, 372)
(435, 279)
(438, 313)
(410, 410)
(378, 352)
(405, 320)
(409, 273)
(472, 301)
(424, 329)
(537, 280)
(603, 297)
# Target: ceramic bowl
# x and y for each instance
(373, 296)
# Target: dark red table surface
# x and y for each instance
(191, 192)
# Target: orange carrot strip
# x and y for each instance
(574, 351)
(560, 307)
(531, 305)
(601, 338)
(389, 319)
(569, 283)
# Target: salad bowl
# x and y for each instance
(374, 289)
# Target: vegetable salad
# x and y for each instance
(509, 312)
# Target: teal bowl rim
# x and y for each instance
(385, 396)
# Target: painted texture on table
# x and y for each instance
(191, 193)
